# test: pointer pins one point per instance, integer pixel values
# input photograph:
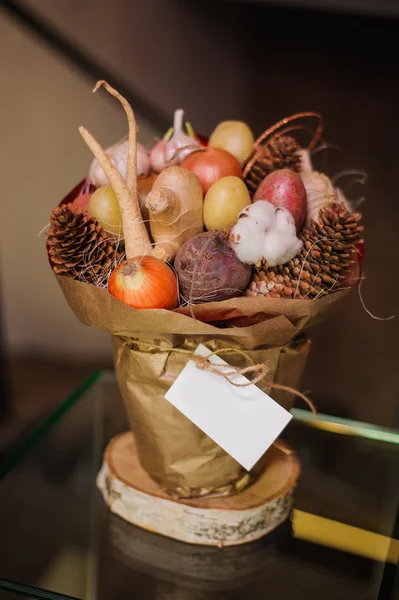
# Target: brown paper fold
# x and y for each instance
(171, 448)
(268, 321)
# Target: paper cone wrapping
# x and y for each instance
(177, 454)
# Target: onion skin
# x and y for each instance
(208, 269)
(211, 164)
(144, 282)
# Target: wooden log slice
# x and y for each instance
(227, 521)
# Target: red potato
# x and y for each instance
(284, 188)
(208, 269)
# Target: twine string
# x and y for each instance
(260, 370)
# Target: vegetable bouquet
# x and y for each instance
(235, 243)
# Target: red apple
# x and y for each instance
(81, 201)
(284, 188)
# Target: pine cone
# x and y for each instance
(78, 247)
(328, 252)
(278, 153)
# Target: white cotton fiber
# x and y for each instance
(265, 232)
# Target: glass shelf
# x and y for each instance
(60, 541)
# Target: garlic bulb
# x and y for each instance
(320, 193)
(118, 156)
(172, 151)
(265, 232)
(157, 157)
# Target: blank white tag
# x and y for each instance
(244, 421)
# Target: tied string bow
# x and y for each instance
(202, 362)
(260, 370)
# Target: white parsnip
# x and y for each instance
(136, 237)
(137, 241)
(131, 167)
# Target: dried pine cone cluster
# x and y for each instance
(327, 253)
(281, 152)
(78, 247)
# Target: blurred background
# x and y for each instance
(253, 61)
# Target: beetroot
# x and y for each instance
(208, 269)
(284, 188)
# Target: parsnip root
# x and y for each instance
(131, 166)
(137, 242)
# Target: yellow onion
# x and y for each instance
(144, 282)
(211, 164)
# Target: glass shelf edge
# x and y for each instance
(36, 435)
(32, 592)
(343, 426)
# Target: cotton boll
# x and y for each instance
(279, 249)
(118, 155)
(246, 239)
(284, 221)
(247, 236)
(261, 211)
(265, 232)
(281, 243)
(275, 248)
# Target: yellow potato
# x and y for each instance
(233, 136)
(223, 201)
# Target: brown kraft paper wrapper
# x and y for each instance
(175, 452)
